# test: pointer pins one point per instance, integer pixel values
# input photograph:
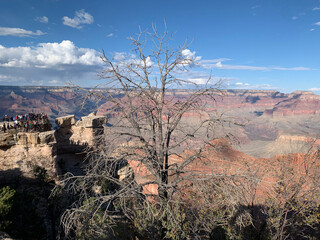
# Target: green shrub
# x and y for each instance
(6, 202)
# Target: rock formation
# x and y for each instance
(57, 151)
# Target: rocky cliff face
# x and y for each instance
(297, 103)
(57, 151)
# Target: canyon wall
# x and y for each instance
(261, 116)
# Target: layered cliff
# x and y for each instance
(57, 151)
(264, 115)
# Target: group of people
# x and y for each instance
(26, 122)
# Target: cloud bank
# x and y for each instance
(57, 63)
(48, 63)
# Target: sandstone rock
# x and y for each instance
(6, 140)
(33, 138)
(65, 122)
(58, 151)
(92, 121)
(22, 138)
(47, 137)
(25, 138)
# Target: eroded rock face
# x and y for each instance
(57, 151)
(72, 136)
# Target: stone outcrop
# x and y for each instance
(80, 134)
(6, 140)
(65, 122)
(57, 151)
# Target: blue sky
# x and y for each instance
(251, 44)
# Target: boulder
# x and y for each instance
(65, 122)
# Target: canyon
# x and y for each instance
(269, 134)
(267, 122)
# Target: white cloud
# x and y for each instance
(198, 80)
(241, 84)
(19, 32)
(123, 59)
(110, 35)
(220, 65)
(294, 18)
(43, 19)
(315, 89)
(190, 55)
(315, 8)
(237, 67)
(202, 77)
(37, 82)
(209, 61)
(48, 55)
(206, 79)
(3, 77)
(290, 69)
(317, 23)
(55, 82)
(312, 29)
(81, 17)
(263, 86)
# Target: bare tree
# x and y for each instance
(152, 131)
(150, 112)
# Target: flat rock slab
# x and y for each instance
(91, 121)
(65, 122)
